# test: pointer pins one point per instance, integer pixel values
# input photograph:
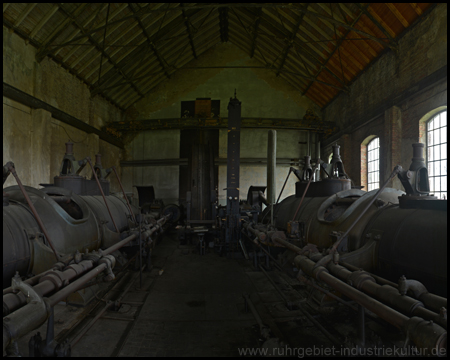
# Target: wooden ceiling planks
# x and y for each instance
(319, 48)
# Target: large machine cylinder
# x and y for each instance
(73, 222)
(412, 242)
(321, 216)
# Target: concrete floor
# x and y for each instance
(194, 308)
(191, 305)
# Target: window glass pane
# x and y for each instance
(444, 184)
(444, 151)
(444, 134)
(431, 124)
(444, 118)
(444, 168)
(436, 137)
(431, 184)
(430, 154)
(437, 170)
(437, 123)
(430, 169)
(437, 184)
(436, 152)
(430, 138)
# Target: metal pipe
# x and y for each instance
(103, 194)
(77, 284)
(303, 196)
(285, 181)
(326, 292)
(321, 273)
(117, 246)
(124, 195)
(271, 169)
(12, 169)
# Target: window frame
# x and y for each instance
(368, 151)
(442, 151)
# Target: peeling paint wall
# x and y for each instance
(32, 139)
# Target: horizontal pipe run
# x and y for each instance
(385, 293)
(320, 273)
(77, 284)
(117, 246)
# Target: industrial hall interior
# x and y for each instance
(224, 179)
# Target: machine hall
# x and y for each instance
(224, 179)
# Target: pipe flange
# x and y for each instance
(359, 277)
(55, 277)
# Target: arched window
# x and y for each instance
(436, 140)
(373, 164)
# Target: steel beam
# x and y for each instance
(290, 41)
(29, 100)
(255, 30)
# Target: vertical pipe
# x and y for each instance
(308, 142)
(317, 146)
(103, 194)
(12, 169)
(271, 168)
(124, 195)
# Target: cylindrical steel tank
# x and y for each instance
(412, 242)
(321, 216)
(73, 223)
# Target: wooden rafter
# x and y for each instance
(339, 43)
(44, 50)
(188, 28)
(43, 21)
(255, 30)
(373, 16)
(290, 40)
(99, 48)
(151, 43)
(397, 14)
(24, 14)
(416, 8)
(223, 16)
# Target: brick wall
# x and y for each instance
(390, 99)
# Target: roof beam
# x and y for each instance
(223, 16)
(387, 31)
(338, 44)
(44, 21)
(24, 14)
(397, 14)
(416, 8)
(44, 49)
(152, 45)
(255, 30)
(188, 28)
(127, 60)
(99, 48)
(290, 41)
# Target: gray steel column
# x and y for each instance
(271, 168)
(233, 231)
(317, 146)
